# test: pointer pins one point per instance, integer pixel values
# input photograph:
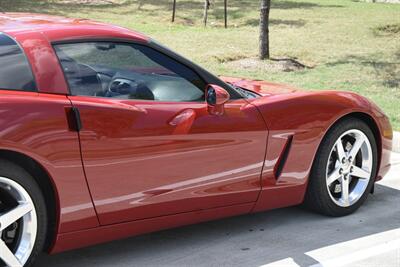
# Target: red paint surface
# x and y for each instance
(35, 125)
(157, 167)
(154, 165)
(111, 232)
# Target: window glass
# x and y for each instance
(127, 71)
(15, 72)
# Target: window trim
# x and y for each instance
(123, 41)
(36, 89)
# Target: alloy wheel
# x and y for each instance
(349, 168)
(18, 224)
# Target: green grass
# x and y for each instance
(350, 45)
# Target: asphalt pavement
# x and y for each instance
(289, 237)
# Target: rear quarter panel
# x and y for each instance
(35, 125)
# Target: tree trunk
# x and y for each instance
(264, 29)
(173, 11)
(226, 13)
(206, 7)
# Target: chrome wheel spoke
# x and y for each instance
(345, 192)
(340, 149)
(7, 256)
(360, 173)
(360, 139)
(335, 175)
(14, 215)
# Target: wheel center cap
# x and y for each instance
(346, 167)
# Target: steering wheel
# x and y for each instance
(120, 86)
(130, 88)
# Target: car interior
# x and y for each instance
(155, 82)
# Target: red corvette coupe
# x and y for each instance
(105, 133)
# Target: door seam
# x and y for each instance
(84, 169)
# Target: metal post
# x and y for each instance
(173, 11)
(226, 13)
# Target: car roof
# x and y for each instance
(57, 28)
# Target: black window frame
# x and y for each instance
(28, 63)
(204, 75)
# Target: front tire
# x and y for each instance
(344, 169)
(23, 217)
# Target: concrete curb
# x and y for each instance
(396, 142)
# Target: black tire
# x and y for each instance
(317, 196)
(22, 177)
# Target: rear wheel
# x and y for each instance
(22, 216)
(344, 169)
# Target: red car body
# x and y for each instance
(141, 166)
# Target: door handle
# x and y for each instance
(73, 118)
(183, 121)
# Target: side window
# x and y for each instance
(15, 72)
(127, 71)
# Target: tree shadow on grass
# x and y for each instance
(279, 22)
(296, 4)
(237, 8)
(57, 7)
(388, 72)
(243, 5)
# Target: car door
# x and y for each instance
(149, 146)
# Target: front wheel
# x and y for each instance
(344, 169)
(22, 217)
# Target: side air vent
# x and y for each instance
(282, 159)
